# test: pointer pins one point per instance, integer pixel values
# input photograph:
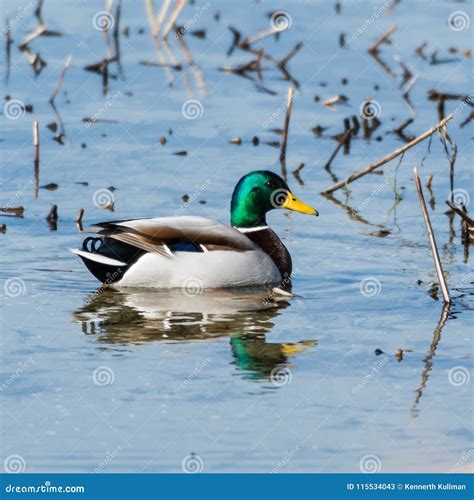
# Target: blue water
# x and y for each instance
(136, 380)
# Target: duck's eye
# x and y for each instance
(270, 184)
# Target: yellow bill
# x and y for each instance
(292, 203)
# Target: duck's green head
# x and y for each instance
(259, 192)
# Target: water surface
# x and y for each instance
(138, 380)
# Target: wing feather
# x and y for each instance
(151, 234)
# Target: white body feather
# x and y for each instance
(216, 269)
(247, 265)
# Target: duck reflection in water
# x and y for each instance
(245, 316)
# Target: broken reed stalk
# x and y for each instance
(173, 16)
(434, 248)
(52, 214)
(260, 36)
(461, 214)
(342, 141)
(289, 105)
(374, 47)
(61, 78)
(36, 146)
(386, 159)
(79, 216)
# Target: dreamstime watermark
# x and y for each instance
(193, 196)
(370, 286)
(373, 195)
(19, 193)
(375, 370)
(14, 109)
(14, 464)
(103, 21)
(370, 464)
(377, 12)
(466, 280)
(466, 101)
(192, 464)
(461, 463)
(278, 111)
(108, 459)
(281, 21)
(204, 364)
(192, 286)
(14, 287)
(22, 367)
(281, 376)
(199, 12)
(103, 198)
(370, 109)
(103, 375)
(108, 103)
(277, 292)
(459, 20)
(21, 12)
(458, 376)
(278, 197)
(460, 197)
(285, 460)
(192, 109)
(110, 278)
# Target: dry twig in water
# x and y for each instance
(386, 159)
(36, 146)
(61, 78)
(289, 105)
(434, 248)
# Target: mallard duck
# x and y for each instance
(195, 252)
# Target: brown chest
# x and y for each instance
(271, 244)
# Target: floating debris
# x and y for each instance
(337, 99)
(53, 213)
(52, 186)
(289, 106)
(53, 126)
(296, 173)
(15, 211)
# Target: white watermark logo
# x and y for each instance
(192, 109)
(103, 198)
(370, 109)
(192, 464)
(280, 376)
(103, 375)
(370, 286)
(459, 375)
(14, 109)
(459, 20)
(370, 464)
(14, 287)
(103, 21)
(14, 464)
(281, 21)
